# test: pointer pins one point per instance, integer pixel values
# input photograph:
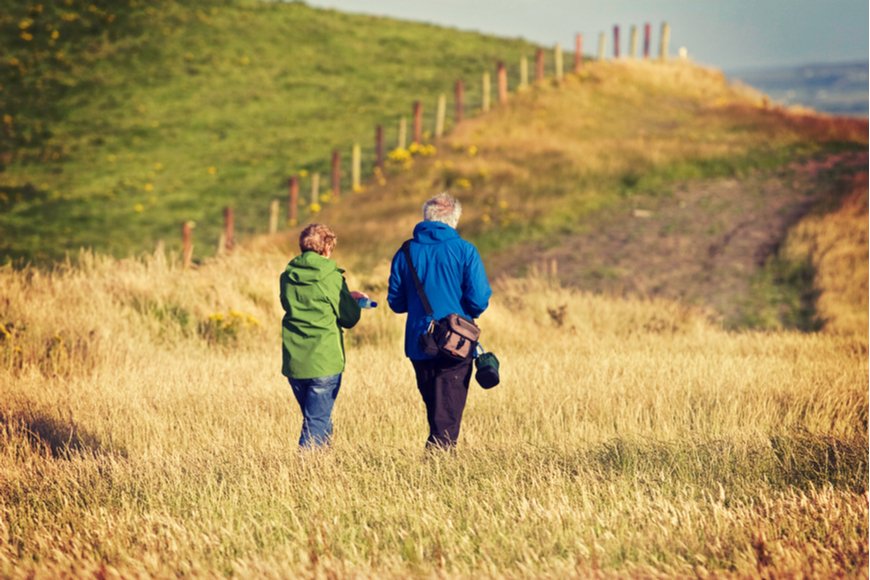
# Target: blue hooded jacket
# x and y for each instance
(453, 277)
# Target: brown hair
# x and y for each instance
(317, 238)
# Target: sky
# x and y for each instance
(726, 34)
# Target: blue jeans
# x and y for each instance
(316, 398)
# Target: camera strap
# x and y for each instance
(406, 248)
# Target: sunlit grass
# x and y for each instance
(627, 437)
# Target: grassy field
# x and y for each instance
(157, 114)
(150, 117)
(147, 431)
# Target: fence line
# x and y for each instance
(615, 41)
(421, 117)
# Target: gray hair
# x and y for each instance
(443, 208)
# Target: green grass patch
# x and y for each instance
(783, 296)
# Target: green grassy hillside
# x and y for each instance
(123, 120)
(641, 178)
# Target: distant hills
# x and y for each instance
(839, 88)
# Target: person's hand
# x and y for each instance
(356, 295)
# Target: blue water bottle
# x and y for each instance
(366, 303)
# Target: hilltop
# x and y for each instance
(638, 178)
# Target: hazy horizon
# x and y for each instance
(731, 36)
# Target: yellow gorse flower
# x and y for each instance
(400, 155)
(423, 150)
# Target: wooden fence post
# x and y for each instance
(486, 92)
(646, 35)
(458, 98)
(616, 41)
(293, 201)
(187, 244)
(524, 72)
(229, 228)
(403, 133)
(379, 147)
(557, 54)
(274, 209)
(666, 38)
(418, 122)
(601, 43)
(336, 175)
(440, 115)
(502, 84)
(578, 52)
(355, 168)
(632, 43)
(539, 65)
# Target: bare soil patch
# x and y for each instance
(701, 245)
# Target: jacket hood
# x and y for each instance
(433, 232)
(310, 268)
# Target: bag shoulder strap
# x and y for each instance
(406, 248)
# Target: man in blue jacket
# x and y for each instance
(454, 281)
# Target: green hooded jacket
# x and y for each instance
(317, 305)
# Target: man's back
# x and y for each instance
(453, 278)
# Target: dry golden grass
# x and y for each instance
(836, 244)
(141, 434)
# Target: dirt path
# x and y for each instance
(702, 245)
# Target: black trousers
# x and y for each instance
(443, 383)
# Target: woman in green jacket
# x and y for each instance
(317, 307)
